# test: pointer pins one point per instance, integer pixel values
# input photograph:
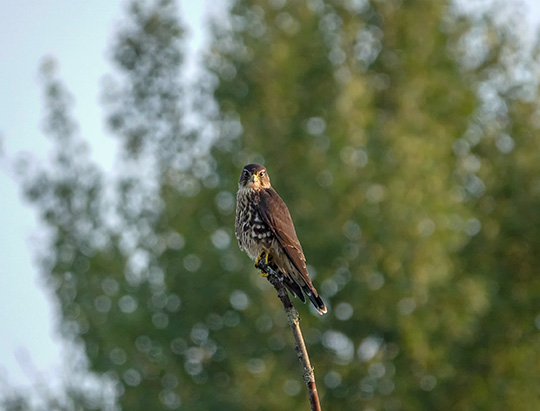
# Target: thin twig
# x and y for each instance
(276, 279)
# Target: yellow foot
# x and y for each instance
(263, 256)
(259, 258)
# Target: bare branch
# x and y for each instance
(276, 279)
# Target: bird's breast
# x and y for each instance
(253, 234)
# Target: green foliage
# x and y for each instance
(406, 148)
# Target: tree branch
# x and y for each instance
(276, 279)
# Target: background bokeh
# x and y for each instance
(404, 136)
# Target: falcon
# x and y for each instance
(264, 229)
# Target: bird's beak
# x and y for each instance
(254, 178)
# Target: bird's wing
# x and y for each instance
(276, 215)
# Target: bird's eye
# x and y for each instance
(261, 174)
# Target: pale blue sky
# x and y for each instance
(76, 33)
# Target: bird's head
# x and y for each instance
(254, 177)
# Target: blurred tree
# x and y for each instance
(402, 135)
(497, 164)
(374, 113)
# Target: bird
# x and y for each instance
(265, 230)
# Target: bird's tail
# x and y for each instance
(307, 289)
(313, 296)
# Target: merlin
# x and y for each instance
(264, 229)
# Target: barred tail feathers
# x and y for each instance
(301, 290)
(313, 296)
(294, 288)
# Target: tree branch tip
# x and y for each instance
(293, 318)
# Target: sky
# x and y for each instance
(77, 33)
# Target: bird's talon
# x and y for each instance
(264, 274)
(263, 256)
(260, 257)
